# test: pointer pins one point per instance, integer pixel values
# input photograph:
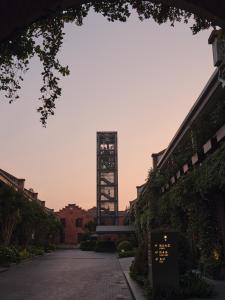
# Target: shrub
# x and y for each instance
(84, 237)
(88, 245)
(124, 246)
(193, 285)
(105, 246)
(50, 248)
(35, 250)
(24, 254)
(14, 254)
(139, 267)
(8, 255)
(163, 294)
(213, 269)
(130, 253)
(132, 239)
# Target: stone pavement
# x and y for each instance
(138, 293)
(66, 275)
(136, 290)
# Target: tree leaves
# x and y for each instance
(44, 39)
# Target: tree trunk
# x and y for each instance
(8, 227)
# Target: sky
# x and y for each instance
(137, 78)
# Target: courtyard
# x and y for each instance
(66, 275)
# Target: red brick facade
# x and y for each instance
(74, 219)
(121, 217)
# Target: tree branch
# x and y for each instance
(15, 15)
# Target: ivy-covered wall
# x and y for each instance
(194, 205)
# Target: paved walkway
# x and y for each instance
(66, 275)
(137, 291)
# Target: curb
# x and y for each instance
(129, 286)
(3, 270)
(24, 261)
(135, 289)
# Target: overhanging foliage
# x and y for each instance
(45, 37)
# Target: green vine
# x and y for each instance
(189, 207)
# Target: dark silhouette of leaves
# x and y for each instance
(44, 39)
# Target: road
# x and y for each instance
(66, 275)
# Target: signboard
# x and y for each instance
(164, 256)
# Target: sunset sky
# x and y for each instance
(137, 78)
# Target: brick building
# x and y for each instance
(74, 219)
(121, 217)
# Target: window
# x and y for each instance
(107, 206)
(107, 177)
(63, 222)
(108, 191)
(79, 222)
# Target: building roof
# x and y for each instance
(11, 179)
(140, 186)
(122, 213)
(18, 185)
(159, 153)
(206, 95)
(114, 229)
